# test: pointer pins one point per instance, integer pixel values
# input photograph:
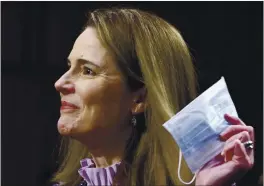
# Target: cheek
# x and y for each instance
(91, 92)
(104, 100)
(102, 92)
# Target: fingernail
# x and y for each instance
(222, 137)
(231, 119)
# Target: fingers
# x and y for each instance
(228, 150)
(242, 136)
(235, 150)
(236, 127)
(233, 120)
(238, 131)
(242, 158)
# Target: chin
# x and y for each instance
(64, 130)
(73, 130)
(67, 129)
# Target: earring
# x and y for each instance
(134, 121)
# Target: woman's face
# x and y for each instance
(94, 96)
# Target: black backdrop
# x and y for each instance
(225, 39)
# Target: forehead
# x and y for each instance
(87, 46)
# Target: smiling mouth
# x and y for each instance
(68, 106)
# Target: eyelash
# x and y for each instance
(87, 69)
(84, 70)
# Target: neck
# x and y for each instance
(106, 159)
(110, 149)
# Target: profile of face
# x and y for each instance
(94, 96)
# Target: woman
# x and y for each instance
(130, 71)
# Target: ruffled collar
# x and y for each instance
(97, 176)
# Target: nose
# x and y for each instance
(64, 85)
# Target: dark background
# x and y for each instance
(225, 39)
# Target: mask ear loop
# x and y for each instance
(179, 171)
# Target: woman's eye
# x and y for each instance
(88, 71)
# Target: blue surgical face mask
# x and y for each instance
(197, 126)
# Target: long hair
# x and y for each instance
(150, 53)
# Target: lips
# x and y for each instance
(67, 105)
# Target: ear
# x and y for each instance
(139, 101)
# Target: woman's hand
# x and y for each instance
(234, 161)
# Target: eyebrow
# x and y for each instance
(83, 61)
